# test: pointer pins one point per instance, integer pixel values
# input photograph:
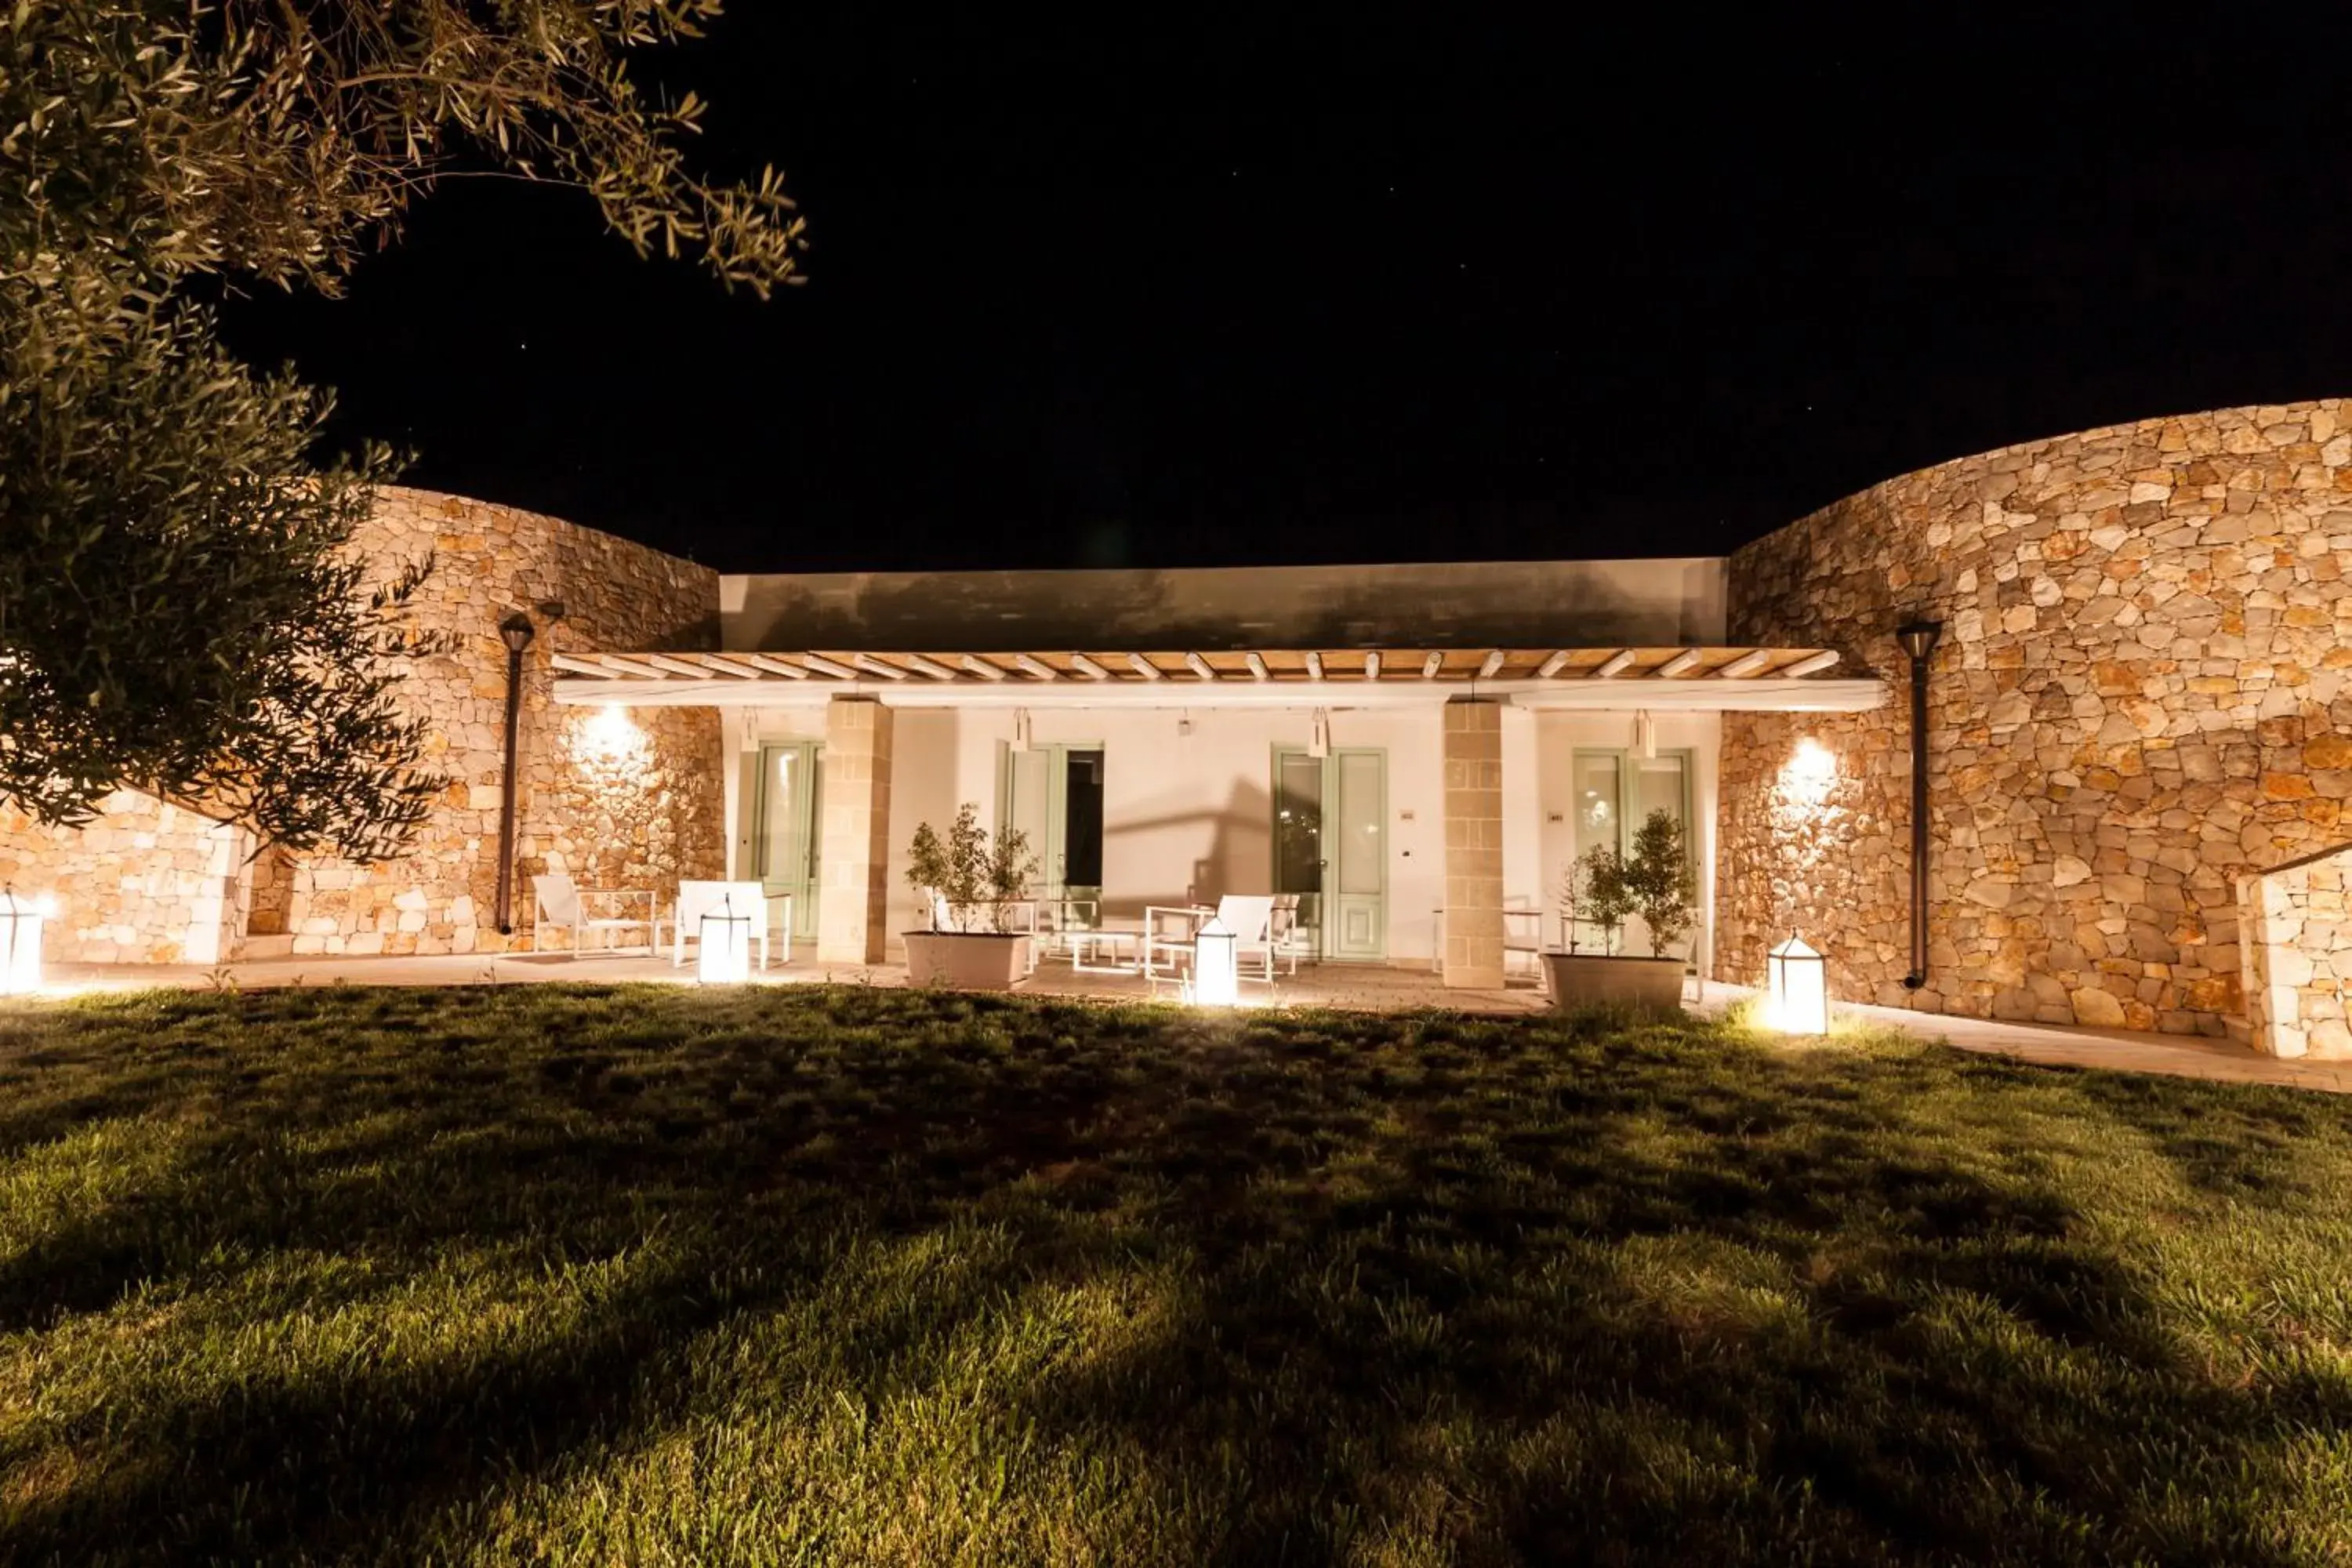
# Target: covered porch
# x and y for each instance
(1418, 806)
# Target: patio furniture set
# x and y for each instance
(1268, 936)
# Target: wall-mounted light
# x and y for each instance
(1022, 739)
(1646, 734)
(1318, 743)
(1798, 987)
(21, 920)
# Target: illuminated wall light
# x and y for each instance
(609, 732)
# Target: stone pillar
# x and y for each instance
(853, 901)
(1474, 844)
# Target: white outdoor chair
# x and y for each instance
(1169, 929)
(1292, 940)
(696, 899)
(562, 902)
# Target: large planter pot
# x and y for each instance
(966, 961)
(1590, 980)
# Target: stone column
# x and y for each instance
(853, 901)
(1474, 844)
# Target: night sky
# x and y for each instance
(1275, 286)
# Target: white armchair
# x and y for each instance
(696, 899)
(562, 902)
(1168, 931)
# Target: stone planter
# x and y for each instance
(1590, 980)
(966, 961)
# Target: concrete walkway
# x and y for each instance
(2119, 1050)
(1368, 988)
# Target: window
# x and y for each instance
(1616, 791)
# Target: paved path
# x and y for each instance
(2050, 1045)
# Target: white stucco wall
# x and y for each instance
(1188, 816)
(1558, 738)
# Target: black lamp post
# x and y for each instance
(1919, 639)
(516, 632)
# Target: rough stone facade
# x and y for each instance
(2298, 944)
(146, 883)
(617, 797)
(2140, 698)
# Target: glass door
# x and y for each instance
(1330, 816)
(1054, 794)
(787, 845)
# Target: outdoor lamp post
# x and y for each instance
(1800, 988)
(516, 632)
(725, 958)
(20, 948)
(1215, 973)
(1919, 639)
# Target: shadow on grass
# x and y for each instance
(407, 1268)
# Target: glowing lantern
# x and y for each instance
(725, 937)
(1800, 988)
(1216, 971)
(20, 942)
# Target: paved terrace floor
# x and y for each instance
(1364, 987)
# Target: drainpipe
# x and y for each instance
(1918, 640)
(516, 632)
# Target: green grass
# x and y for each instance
(655, 1275)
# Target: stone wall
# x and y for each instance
(2298, 946)
(618, 798)
(146, 883)
(2139, 699)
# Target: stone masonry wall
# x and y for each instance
(616, 797)
(2298, 947)
(2140, 698)
(146, 883)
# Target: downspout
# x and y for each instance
(516, 632)
(1918, 640)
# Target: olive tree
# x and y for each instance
(181, 610)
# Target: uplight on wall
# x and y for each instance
(610, 733)
(1215, 973)
(1798, 987)
(725, 938)
(20, 941)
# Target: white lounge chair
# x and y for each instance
(1168, 931)
(696, 899)
(562, 902)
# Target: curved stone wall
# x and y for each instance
(618, 798)
(2140, 698)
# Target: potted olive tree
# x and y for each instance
(1600, 890)
(965, 885)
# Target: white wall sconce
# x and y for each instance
(1646, 734)
(724, 938)
(20, 944)
(1319, 744)
(1022, 739)
(1799, 985)
(1216, 977)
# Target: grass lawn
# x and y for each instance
(543, 1274)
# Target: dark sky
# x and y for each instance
(1280, 287)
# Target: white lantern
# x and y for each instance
(725, 938)
(1215, 978)
(1800, 988)
(20, 942)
